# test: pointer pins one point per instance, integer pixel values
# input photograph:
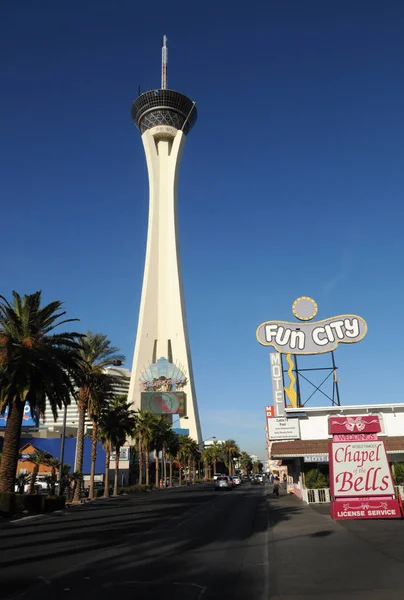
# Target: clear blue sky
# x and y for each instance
(291, 183)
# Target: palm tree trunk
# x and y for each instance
(230, 470)
(93, 457)
(147, 464)
(179, 474)
(34, 476)
(164, 459)
(214, 467)
(140, 448)
(116, 470)
(11, 446)
(157, 469)
(78, 466)
(171, 471)
(107, 461)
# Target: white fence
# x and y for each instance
(316, 496)
(323, 495)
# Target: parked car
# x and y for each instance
(223, 483)
(236, 479)
(216, 475)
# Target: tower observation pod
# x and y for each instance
(162, 378)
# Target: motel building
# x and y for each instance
(306, 446)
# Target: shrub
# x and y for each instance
(133, 489)
(33, 503)
(314, 479)
(19, 503)
(99, 492)
(52, 503)
(398, 473)
(7, 503)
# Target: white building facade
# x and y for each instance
(307, 447)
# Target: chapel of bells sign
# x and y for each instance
(316, 337)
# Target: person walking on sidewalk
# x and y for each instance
(276, 484)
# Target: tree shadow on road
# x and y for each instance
(196, 539)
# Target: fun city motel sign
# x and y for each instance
(361, 483)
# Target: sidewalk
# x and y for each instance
(311, 556)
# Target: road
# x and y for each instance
(181, 543)
(196, 543)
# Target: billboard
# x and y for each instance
(317, 337)
(361, 485)
(283, 429)
(312, 338)
(277, 384)
(360, 469)
(28, 419)
(164, 403)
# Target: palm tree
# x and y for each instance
(97, 354)
(245, 462)
(36, 365)
(102, 394)
(207, 457)
(230, 451)
(76, 478)
(187, 453)
(37, 459)
(21, 481)
(172, 448)
(117, 423)
(216, 452)
(195, 455)
(145, 428)
(160, 435)
(65, 478)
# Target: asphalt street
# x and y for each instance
(194, 543)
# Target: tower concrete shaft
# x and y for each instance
(164, 117)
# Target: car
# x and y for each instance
(236, 479)
(216, 475)
(257, 480)
(223, 483)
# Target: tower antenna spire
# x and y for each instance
(164, 63)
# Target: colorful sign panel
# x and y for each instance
(270, 412)
(361, 483)
(316, 337)
(277, 384)
(164, 403)
(360, 469)
(315, 458)
(283, 429)
(28, 420)
(366, 509)
(361, 424)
